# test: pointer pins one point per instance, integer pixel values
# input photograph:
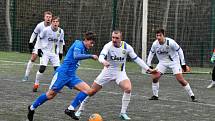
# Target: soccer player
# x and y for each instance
(113, 57)
(33, 49)
(51, 41)
(65, 75)
(170, 55)
(212, 84)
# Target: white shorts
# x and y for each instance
(176, 67)
(54, 59)
(35, 50)
(108, 75)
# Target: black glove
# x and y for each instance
(60, 56)
(40, 53)
(184, 67)
(31, 47)
(151, 67)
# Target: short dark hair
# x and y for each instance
(89, 35)
(160, 31)
(56, 17)
(117, 31)
(47, 12)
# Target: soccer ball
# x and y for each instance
(95, 117)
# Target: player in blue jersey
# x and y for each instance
(65, 75)
(113, 57)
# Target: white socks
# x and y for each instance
(155, 88)
(28, 68)
(125, 101)
(189, 90)
(38, 77)
(71, 107)
(82, 106)
(32, 107)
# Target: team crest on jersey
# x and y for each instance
(123, 51)
(167, 47)
(58, 34)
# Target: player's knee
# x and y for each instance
(155, 80)
(51, 95)
(42, 69)
(180, 78)
(183, 82)
(33, 58)
(127, 89)
(91, 92)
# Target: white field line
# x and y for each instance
(133, 95)
(83, 68)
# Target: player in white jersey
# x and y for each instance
(170, 55)
(32, 48)
(51, 41)
(212, 84)
(116, 52)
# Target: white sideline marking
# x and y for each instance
(83, 68)
(24, 63)
(133, 95)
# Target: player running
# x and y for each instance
(33, 49)
(65, 75)
(51, 41)
(212, 84)
(116, 52)
(169, 55)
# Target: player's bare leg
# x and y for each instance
(186, 86)
(96, 88)
(85, 91)
(125, 85)
(29, 66)
(212, 84)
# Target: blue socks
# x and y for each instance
(40, 100)
(78, 99)
(43, 98)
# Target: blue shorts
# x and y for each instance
(61, 79)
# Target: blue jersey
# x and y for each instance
(75, 53)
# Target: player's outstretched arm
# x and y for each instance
(103, 61)
(79, 56)
(103, 54)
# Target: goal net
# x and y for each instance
(189, 22)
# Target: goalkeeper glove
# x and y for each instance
(40, 53)
(184, 67)
(31, 47)
(60, 56)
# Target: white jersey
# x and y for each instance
(39, 28)
(51, 41)
(117, 56)
(168, 52)
(117, 59)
